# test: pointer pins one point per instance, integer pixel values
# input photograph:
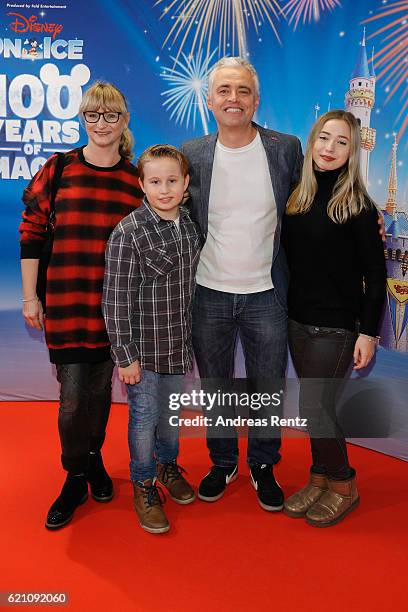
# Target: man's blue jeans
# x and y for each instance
(151, 437)
(261, 322)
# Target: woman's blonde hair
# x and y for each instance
(349, 195)
(107, 96)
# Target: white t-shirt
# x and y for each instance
(237, 255)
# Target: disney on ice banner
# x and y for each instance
(43, 72)
(309, 55)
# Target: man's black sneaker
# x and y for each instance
(99, 479)
(73, 494)
(270, 495)
(213, 485)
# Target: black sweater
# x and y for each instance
(337, 270)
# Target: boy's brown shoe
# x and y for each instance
(148, 500)
(170, 476)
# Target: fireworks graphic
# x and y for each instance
(232, 17)
(188, 87)
(392, 59)
(307, 9)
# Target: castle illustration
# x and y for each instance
(360, 100)
(394, 332)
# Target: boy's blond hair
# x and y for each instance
(161, 151)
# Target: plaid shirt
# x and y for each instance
(148, 290)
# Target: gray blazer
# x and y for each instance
(284, 155)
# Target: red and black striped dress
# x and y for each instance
(90, 202)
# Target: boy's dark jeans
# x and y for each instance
(85, 399)
(322, 357)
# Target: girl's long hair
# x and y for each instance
(107, 96)
(349, 195)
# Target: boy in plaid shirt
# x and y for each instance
(151, 261)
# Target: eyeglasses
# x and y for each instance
(94, 116)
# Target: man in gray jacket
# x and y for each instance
(240, 180)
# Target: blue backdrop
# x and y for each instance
(158, 53)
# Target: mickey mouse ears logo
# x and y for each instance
(80, 75)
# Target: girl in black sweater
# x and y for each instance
(336, 295)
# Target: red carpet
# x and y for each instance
(226, 556)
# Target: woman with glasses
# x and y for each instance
(336, 295)
(97, 188)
